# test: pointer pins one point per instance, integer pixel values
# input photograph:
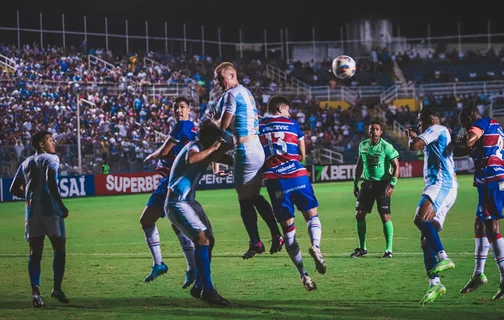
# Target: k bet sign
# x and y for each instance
(342, 172)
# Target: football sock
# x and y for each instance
(266, 212)
(434, 280)
(152, 238)
(430, 259)
(203, 262)
(59, 261)
(361, 231)
(497, 244)
(432, 236)
(388, 231)
(249, 217)
(292, 248)
(188, 248)
(315, 230)
(34, 269)
(480, 253)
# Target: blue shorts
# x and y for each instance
(158, 197)
(285, 193)
(491, 201)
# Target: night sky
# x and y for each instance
(253, 16)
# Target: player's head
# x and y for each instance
(427, 117)
(208, 134)
(375, 131)
(279, 105)
(181, 108)
(467, 116)
(225, 74)
(43, 142)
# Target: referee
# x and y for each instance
(379, 165)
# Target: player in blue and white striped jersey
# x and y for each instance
(236, 114)
(438, 197)
(36, 182)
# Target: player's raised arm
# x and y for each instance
(163, 150)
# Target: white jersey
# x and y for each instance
(184, 177)
(33, 173)
(439, 167)
(239, 102)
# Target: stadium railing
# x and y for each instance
(153, 63)
(94, 60)
(7, 62)
(332, 156)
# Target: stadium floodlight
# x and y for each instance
(79, 152)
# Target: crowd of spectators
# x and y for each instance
(122, 122)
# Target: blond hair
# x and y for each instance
(224, 66)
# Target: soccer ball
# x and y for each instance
(343, 67)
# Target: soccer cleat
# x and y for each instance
(276, 244)
(474, 283)
(157, 270)
(308, 283)
(37, 301)
(59, 295)
(433, 292)
(359, 253)
(214, 298)
(253, 250)
(190, 277)
(441, 266)
(319, 259)
(500, 294)
(196, 292)
(387, 254)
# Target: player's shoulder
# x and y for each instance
(48, 157)
(364, 142)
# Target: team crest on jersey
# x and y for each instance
(279, 195)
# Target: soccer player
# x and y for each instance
(437, 198)
(37, 182)
(187, 214)
(236, 114)
(484, 141)
(183, 132)
(288, 183)
(376, 158)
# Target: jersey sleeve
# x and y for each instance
(230, 104)
(390, 152)
(479, 127)
(20, 174)
(53, 163)
(298, 130)
(176, 132)
(431, 134)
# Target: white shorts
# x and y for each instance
(188, 217)
(39, 226)
(248, 161)
(442, 200)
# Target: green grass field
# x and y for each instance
(108, 260)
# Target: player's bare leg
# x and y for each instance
(250, 199)
(361, 250)
(388, 232)
(59, 261)
(294, 251)
(315, 233)
(492, 229)
(482, 246)
(36, 250)
(148, 221)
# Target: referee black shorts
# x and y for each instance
(371, 191)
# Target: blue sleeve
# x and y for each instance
(175, 135)
(482, 124)
(299, 132)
